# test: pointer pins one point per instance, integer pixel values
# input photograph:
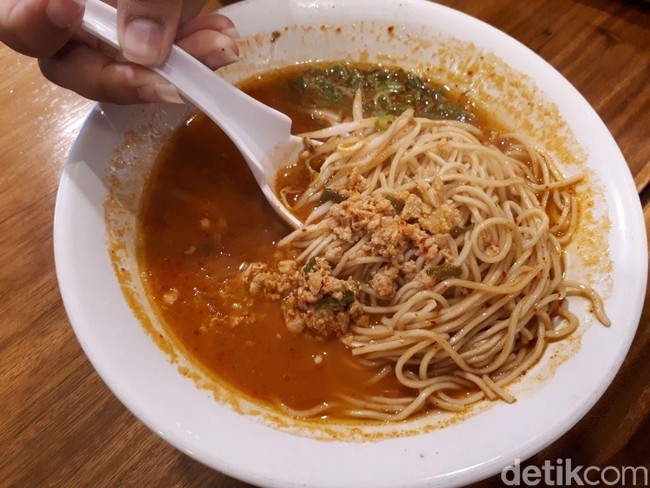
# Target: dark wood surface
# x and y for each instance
(61, 426)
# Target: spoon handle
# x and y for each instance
(239, 115)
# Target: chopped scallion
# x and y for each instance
(329, 195)
(310, 266)
(330, 302)
(397, 204)
(444, 271)
(459, 231)
(384, 122)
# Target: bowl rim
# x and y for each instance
(72, 258)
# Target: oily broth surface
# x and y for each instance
(203, 217)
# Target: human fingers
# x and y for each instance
(210, 40)
(147, 29)
(94, 74)
(95, 70)
(39, 28)
(214, 21)
(211, 48)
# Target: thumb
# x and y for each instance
(39, 28)
(147, 29)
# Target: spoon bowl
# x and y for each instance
(262, 134)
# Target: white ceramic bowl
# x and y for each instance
(98, 203)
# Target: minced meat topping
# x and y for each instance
(396, 230)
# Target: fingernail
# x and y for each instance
(160, 92)
(142, 41)
(231, 32)
(64, 13)
(221, 58)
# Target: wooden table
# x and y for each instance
(61, 426)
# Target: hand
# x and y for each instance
(49, 30)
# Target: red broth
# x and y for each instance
(203, 218)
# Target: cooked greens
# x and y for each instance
(329, 302)
(458, 231)
(310, 266)
(444, 271)
(386, 92)
(332, 195)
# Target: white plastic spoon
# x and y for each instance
(261, 134)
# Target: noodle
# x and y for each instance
(443, 265)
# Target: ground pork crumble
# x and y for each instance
(398, 228)
(312, 299)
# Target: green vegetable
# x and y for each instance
(331, 303)
(397, 204)
(348, 297)
(458, 231)
(383, 122)
(444, 271)
(392, 86)
(310, 266)
(332, 195)
(385, 91)
(338, 72)
(300, 83)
